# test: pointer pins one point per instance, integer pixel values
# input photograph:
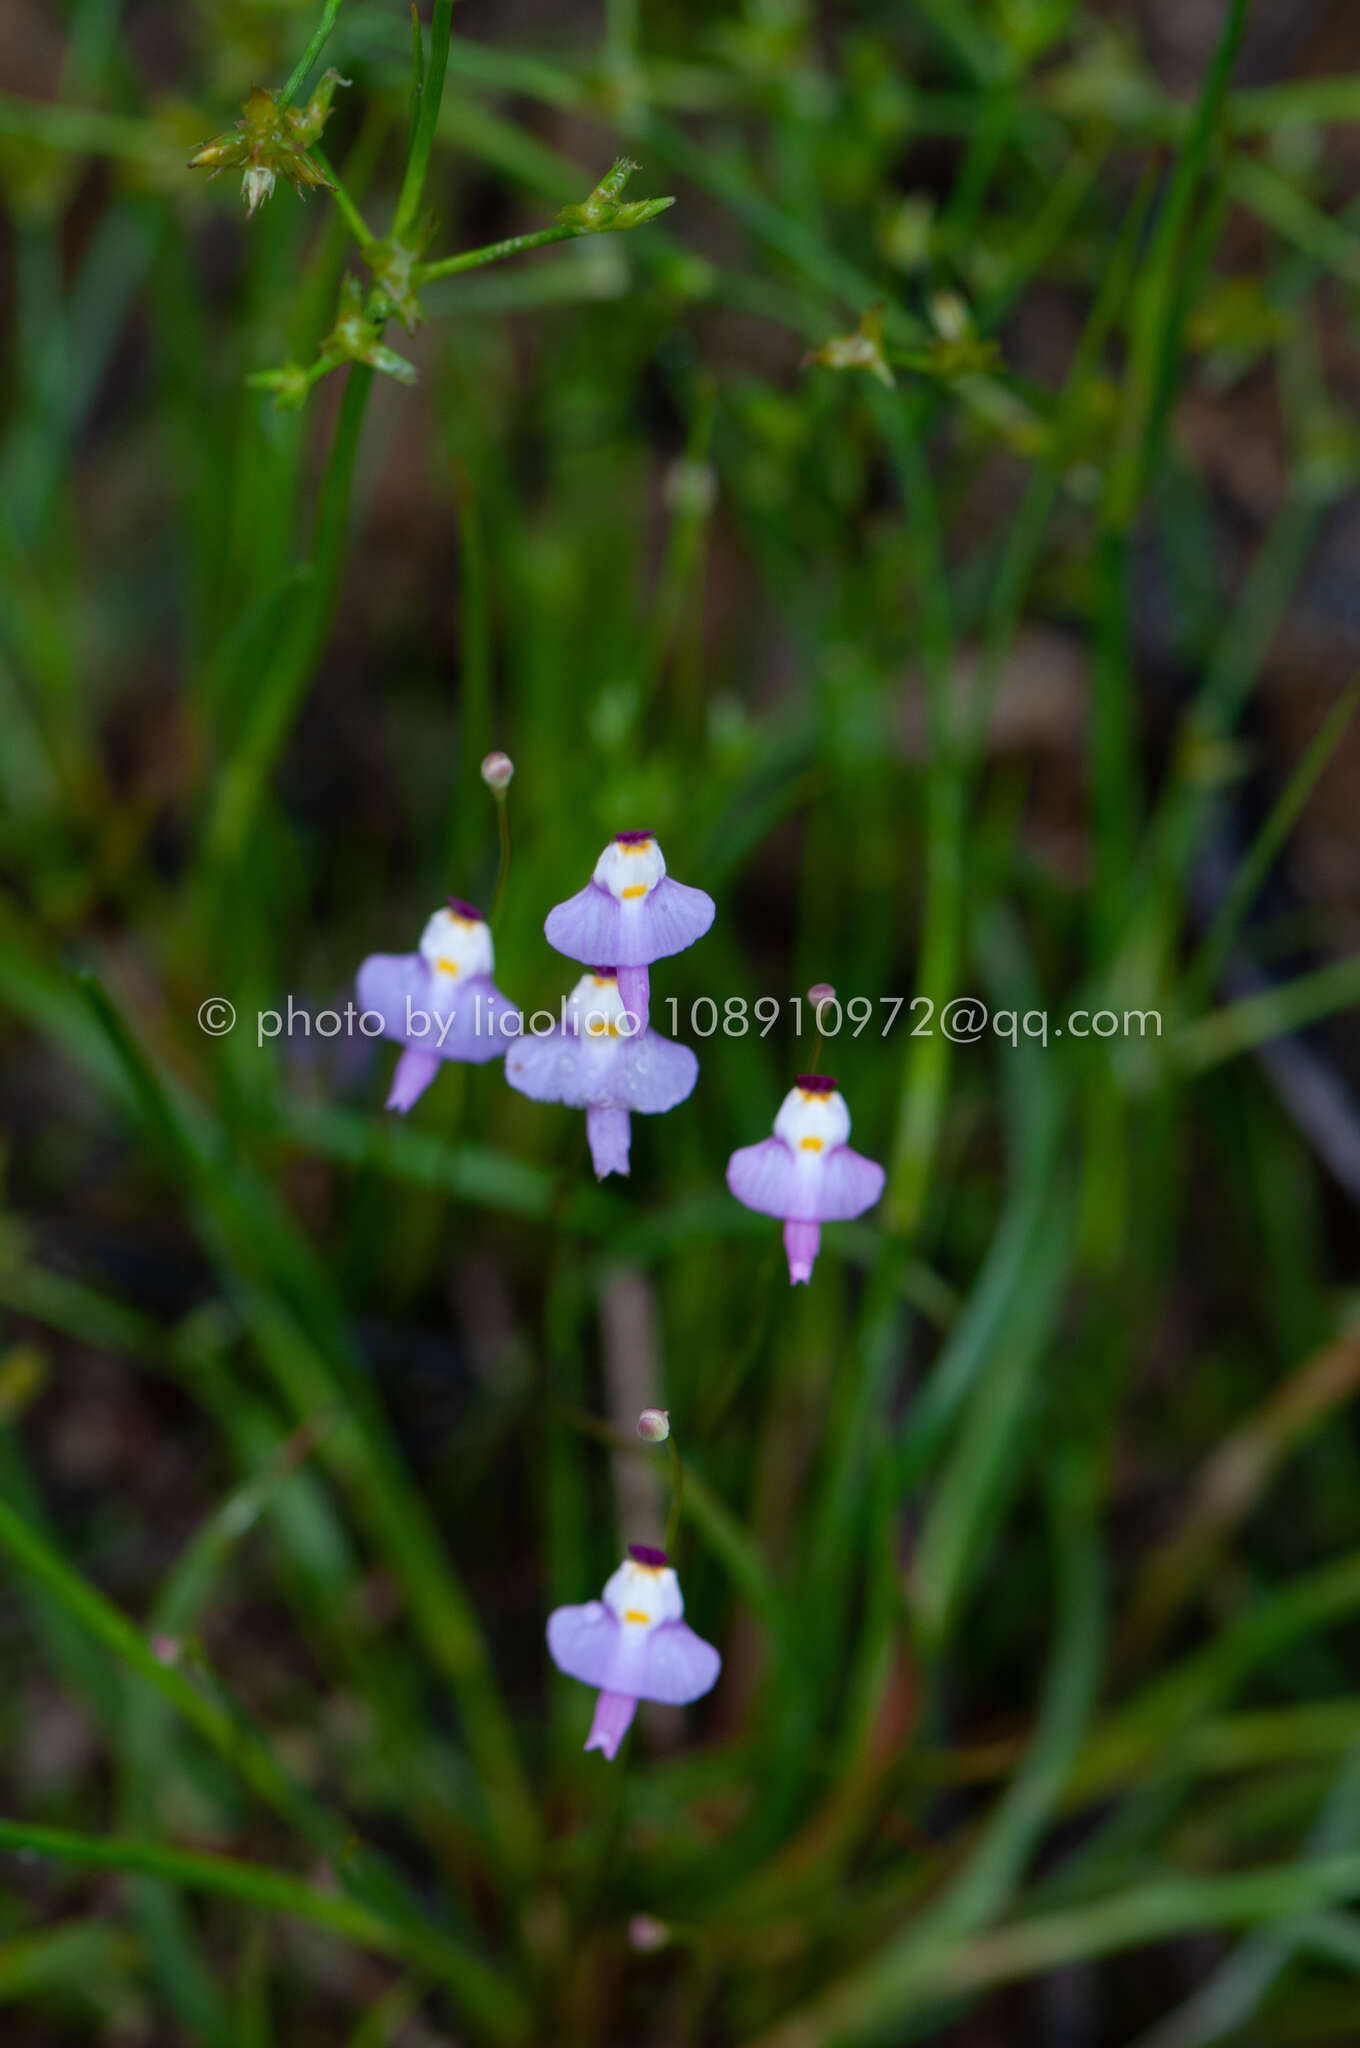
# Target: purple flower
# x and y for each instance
(602, 1061)
(632, 913)
(633, 1645)
(806, 1172)
(439, 1003)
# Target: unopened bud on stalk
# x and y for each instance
(606, 211)
(821, 992)
(862, 350)
(497, 770)
(654, 1425)
(646, 1935)
(949, 315)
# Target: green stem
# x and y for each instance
(224, 1731)
(307, 1351)
(487, 1997)
(881, 1998)
(495, 252)
(1204, 971)
(1274, 1013)
(431, 93)
(475, 665)
(927, 1064)
(345, 206)
(319, 39)
(677, 1494)
(281, 690)
(503, 871)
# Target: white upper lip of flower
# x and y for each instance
(597, 1011)
(812, 1125)
(457, 946)
(630, 873)
(644, 1595)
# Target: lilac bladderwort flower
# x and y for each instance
(602, 1061)
(440, 1003)
(631, 913)
(633, 1645)
(806, 1173)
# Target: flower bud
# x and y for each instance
(690, 488)
(821, 992)
(862, 350)
(497, 770)
(646, 1935)
(605, 210)
(654, 1425)
(949, 315)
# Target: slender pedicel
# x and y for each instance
(497, 771)
(819, 995)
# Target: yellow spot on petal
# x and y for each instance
(811, 1144)
(447, 966)
(635, 889)
(642, 846)
(603, 980)
(636, 1614)
(469, 924)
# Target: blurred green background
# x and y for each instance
(1006, 650)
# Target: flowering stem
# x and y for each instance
(677, 1494)
(320, 37)
(353, 219)
(282, 687)
(503, 871)
(431, 93)
(473, 259)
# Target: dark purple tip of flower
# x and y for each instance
(606, 973)
(817, 1084)
(634, 838)
(644, 1553)
(462, 909)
